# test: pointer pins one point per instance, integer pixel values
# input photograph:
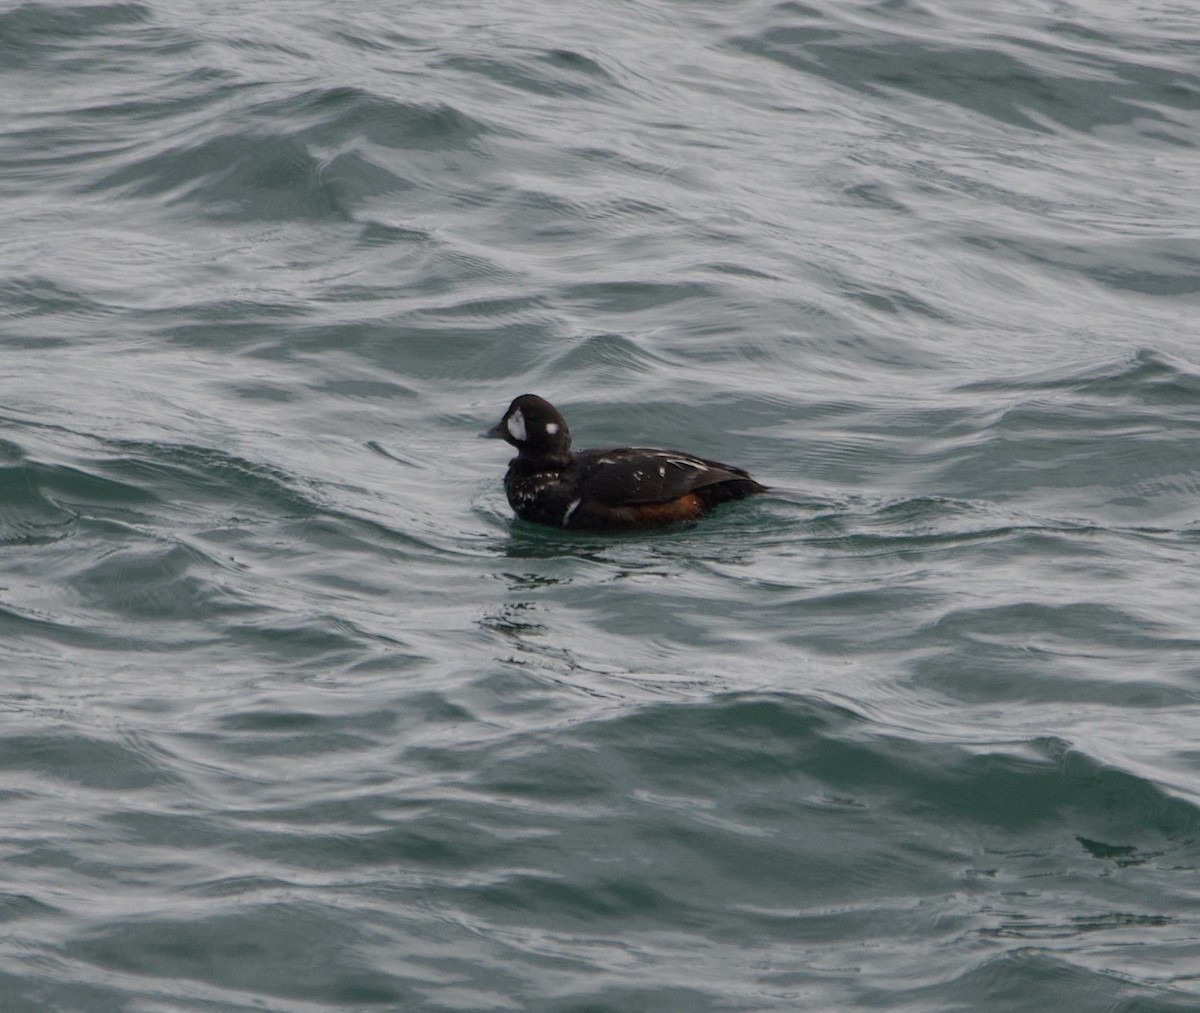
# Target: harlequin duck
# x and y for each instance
(604, 490)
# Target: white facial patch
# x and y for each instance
(516, 426)
(552, 428)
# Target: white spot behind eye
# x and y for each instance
(516, 426)
(552, 428)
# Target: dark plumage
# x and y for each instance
(596, 490)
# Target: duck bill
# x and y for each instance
(495, 433)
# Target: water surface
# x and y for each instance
(297, 717)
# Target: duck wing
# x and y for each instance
(633, 475)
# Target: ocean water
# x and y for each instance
(294, 715)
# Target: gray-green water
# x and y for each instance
(295, 717)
